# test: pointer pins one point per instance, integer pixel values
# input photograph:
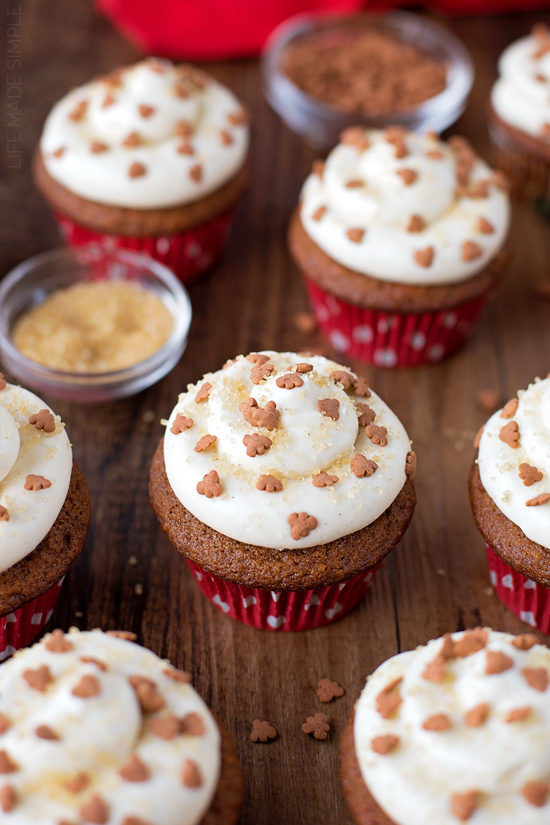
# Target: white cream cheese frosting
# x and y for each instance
(459, 730)
(295, 482)
(153, 135)
(406, 208)
(516, 470)
(100, 730)
(521, 95)
(29, 452)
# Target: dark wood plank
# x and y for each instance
(130, 577)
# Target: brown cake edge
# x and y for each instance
(118, 220)
(363, 806)
(227, 800)
(30, 577)
(373, 293)
(272, 569)
(506, 538)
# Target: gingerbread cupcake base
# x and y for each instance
(30, 588)
(524, 160)
(226, 803)
(519, 568)
(390, 324)
(272, 569)
(363, 806)
(189, 239)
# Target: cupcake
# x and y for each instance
(96, 729)
(152, 158)
(520, 114)
(510, 497)
(400, 238)
(453, 731)
(44, 514)
(284, 482)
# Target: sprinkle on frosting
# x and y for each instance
(289, 381)
(269, 483)
(203, 393)
(256, 444)
(205, 442)
(324, 480)
(486, 751)
(210, 485)
(538, 500)
(378, 435)
(366, 415)
(329, 407)
(43, 420)
(363, 467)
(510, 434)
(383, 192)
(181, 424)
(145, 117)
(529, 475)
(301, 525)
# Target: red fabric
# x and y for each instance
(210, 29)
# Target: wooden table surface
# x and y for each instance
(130, 577)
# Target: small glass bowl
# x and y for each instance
(319, 123)
(30, 283)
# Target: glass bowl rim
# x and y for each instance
(459, 82)
(65, 378)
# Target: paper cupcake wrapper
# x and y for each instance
(18, 629)
(527, 600)
(529, 175)
(283, 610)
(393, 339)
(187, 254)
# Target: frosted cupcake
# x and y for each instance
(400, 238)
(510, 496)
(95, 729)
(284, 481)
(451, 732)
(44, 514)
(520, 114)
(151, 157)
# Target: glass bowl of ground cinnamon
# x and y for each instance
(90, 325)
(323, 73)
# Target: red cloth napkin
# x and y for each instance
(218, 29)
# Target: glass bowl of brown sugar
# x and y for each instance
(90, 325)
(323, 73)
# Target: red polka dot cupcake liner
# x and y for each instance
(393, 339)
(526, 599)
(188, 254)
(283, 610)
(20, 628)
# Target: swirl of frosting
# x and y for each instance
(514, 461)
(406, 208)
(36, 462)
(459, 729)
(284, 439)
(153, 135)
(521, 95)
(97, 729)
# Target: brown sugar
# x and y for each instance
(364, 71)
(94, 327)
